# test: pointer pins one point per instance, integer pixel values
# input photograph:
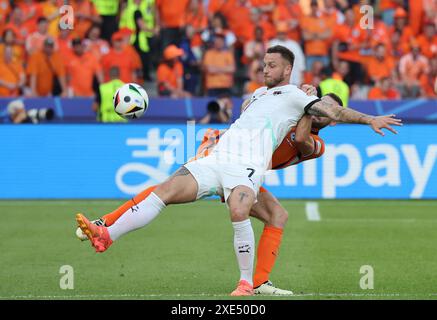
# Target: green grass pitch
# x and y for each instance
(187, 252)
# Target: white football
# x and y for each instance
(131, 101)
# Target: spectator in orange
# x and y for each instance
(10, 43)
(64, 43)
(16, 23)
(380, 33)
(397, 50)
(384, 90)
(219, 67)
(256, 82)
(32, 10)
(254, 51)
(428, 41)
(81, 69)
(219, 25)
(197, 20)
(266, 7)
(5, 9)
(243, 19)
(428, 82)
(289, 11)
(401, 24)
(430, 11)
(257, 19)
(132, 53)
(85, 14)
(219, 6)
(171, 17)
(120, 56)
(239, 20)
(44, 67)
(94, 43)
(412, 67)
(332, 12)
(415, 10)
(381, 65)
(12, 75)
(170, 74)
(50, 10)
(387, 8)
(317, 33)
(348, 40)
(35, 41)
(314, 76)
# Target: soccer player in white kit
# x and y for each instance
(236, 167)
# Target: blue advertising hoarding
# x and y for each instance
(118, 161)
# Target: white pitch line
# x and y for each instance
(312, 211)
(203, 295)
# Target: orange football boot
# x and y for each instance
(243, 289)
(98, 235)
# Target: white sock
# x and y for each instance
(137, 216)
(244, 245)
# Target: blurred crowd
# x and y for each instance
(383, 49)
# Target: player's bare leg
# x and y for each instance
(181, 187)
(270, 211)
(240, 202)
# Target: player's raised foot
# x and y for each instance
(98, 235)
(267, 288)
(244, 288)
(82, 236)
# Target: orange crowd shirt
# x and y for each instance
(45, 68)
(218, 59)
(378, 69)
(172, 14)
(5, 9)
(353, 37)
(427, 46)
(81, 25)
(10, 72)
(170, 75)
(80, 72)
(33, 11)
(291, 15)
(320, 24)
(121, 60)
(377, 94)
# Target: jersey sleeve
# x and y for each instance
(303, 101)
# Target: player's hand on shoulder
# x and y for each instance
(309, 90)
(380, 122)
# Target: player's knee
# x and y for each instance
(279, 218)
(239, 214)
(283, 217)
(165, 192)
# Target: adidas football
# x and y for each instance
(131, 101)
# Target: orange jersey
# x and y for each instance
(285, 155)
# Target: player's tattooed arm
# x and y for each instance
(182, 171)
(332, 110)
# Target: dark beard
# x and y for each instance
(275, 83)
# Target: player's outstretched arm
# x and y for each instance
(332, 110)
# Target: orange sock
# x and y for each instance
(267, 253)
(110, 218)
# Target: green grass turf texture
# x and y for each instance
(187, 252)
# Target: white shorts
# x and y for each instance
(220, 179)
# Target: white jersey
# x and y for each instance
(269, 116)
